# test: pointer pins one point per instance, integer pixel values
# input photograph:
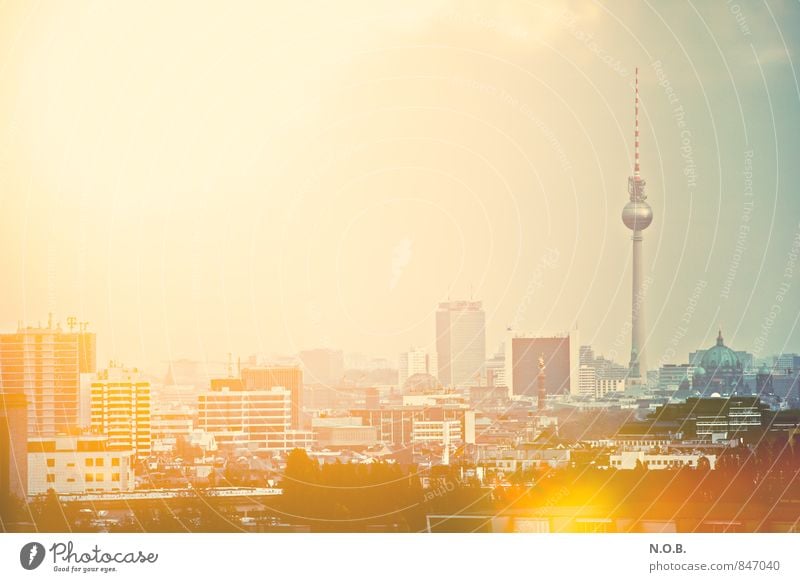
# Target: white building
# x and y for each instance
(444, 432)
(626, 460)
(251, 419)
(416, 361)
(78, 465)
(609, 385)
(460, 343)
(587, 381)
(120, 409)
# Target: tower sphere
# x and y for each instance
(637, 215)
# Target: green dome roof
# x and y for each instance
(720, 356)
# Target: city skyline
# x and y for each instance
(453, 155)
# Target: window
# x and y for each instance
(89, 478)
(98, 477)
(115, 462)
(51, 478)
(115, 477)
(51, 462)
(90, 462)
(98, 463)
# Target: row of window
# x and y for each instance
(90, 462)
(90, 478)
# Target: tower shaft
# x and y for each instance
(637, 362)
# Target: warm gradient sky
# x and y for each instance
(203, 178)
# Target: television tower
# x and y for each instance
(637, 216)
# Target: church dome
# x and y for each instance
(720, 357)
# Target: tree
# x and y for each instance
(50, 516)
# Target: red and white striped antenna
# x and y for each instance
(636, 128)
(635, 182)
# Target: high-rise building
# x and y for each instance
(322, 367)
(561, 358)
(587, 381)
(416, 361)
(46, 363)
(637, 216)
(13, 446)
(289, 377)
(460, 342)
(121, 410)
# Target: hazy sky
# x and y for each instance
(266, 177)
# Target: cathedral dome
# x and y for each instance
(720, 357)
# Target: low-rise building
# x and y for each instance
(627, 460)
(78, 464)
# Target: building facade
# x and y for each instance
(13, 446)
(73, 465)
(46, 363)
(460, 343)
(289, 377)
(561, 360)
(415, 361)
(120, 410)
(251, 419)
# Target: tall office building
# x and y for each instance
(46, 363)
(416, 361)
(587, 381)
(120, 410)
(289, 377)
(322, 367)
(461, 342)
(561, 359)
(13, 447)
